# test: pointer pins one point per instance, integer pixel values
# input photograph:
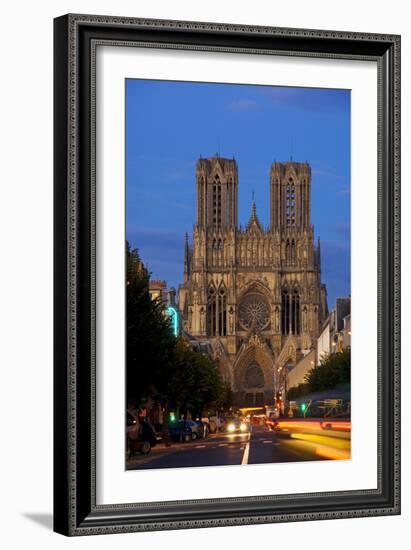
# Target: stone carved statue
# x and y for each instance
(231, 320)
(202, 312)
(277, 319)
(304, 323)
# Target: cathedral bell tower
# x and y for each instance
(290, 188)
(217, 193)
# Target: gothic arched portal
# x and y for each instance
(254, 375)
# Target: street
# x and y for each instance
(260, 446)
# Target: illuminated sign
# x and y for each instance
(172, 313)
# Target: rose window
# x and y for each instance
(254, 313)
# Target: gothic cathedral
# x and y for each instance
(254, 294)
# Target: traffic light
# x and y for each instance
(172, 417)
(303, 407)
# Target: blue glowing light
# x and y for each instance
(172, 312)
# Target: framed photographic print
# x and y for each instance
(227, 277)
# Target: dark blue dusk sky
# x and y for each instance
(170, 124)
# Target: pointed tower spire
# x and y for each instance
(254, 221)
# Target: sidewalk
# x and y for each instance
(160, 449)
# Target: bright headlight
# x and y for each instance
(243, 427)
(231, 427)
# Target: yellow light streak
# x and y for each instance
(334, 442)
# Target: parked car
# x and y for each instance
(180, 431)
(158, 430)
(216, 424)
(197, 429)
(212, 424)
(140, 435)
(203, 428)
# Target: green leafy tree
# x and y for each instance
(159, 365)
(334, 370)
(226, 399)
(150, 342)
(196, 383)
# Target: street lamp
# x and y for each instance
(277, 386)
(285, 391)
(282, 383)
(286, 369)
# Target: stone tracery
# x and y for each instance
(253, 313)
(257, 288)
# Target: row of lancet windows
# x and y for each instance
(290, 249)
(217, 311)
(217, 203)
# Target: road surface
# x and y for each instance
(260, 446)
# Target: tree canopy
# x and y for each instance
(195, 383)
(159, 365)
(150, 342)
(334, 370)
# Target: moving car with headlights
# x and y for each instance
(236, 425)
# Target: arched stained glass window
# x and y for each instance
(217, 311)
(290, 312)
(222, 311)
(290, 203)
(290, 251)
(217, 200)
(211, 311)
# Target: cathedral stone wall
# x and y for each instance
(254, 293)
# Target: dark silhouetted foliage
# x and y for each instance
(150, 342)
(159, 365)
(334, 370)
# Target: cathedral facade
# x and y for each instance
(253, 293)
